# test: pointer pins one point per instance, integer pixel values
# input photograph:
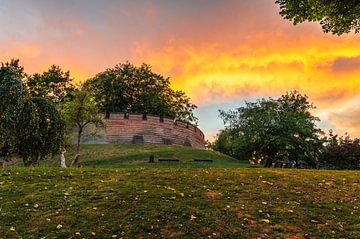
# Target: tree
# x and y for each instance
(12, 93)
(54, 84)
(130, 89)
(80, 112)
(30, 127)
(340, 153)
(40, 130)
(274, 129)
(335, 16)
(224, 143)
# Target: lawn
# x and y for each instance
(48, 202)
(135, 156)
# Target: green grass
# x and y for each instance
(135, 156)
(117, 192)
(178, 203)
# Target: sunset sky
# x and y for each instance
(220, 52)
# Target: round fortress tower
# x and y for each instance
(145, 129)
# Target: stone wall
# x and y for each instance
(137, 129)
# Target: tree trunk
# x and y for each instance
(268, 162)
(62, 159)
(77, 157)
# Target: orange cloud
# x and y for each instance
(216, 51)
(213, 73)
(347, 118)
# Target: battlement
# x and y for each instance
(124, 128)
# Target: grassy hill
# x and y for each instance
(118, 194)
(45, 202)
(138, 156)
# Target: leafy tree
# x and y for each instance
(225, 143)
(127, 88)
(273, 129)
(12, 93)
(54, 84)
(40, 130)
(335, 16)
(341, 153)
(80, 112)
(29, 127)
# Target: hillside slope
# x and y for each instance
(116, 155)
(47, 202)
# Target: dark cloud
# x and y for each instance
(345, 65)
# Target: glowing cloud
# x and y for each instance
(219, 52)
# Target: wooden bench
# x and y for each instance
(283, 164)
(203, 160)
(168, 160)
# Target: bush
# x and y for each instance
(341, 153)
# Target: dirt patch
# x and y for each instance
(177, 234)
(212, 194)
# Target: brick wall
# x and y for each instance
(152, 130)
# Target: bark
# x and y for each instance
(268, 162)
(75, 161)
(77, 157)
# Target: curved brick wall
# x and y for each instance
(152, 130)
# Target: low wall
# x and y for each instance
(135, 129)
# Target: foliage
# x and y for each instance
(224, 143)
(40, 130)
(131, 89)
(54, 84)
(29, 127)
(335, 16)
(341, 153)
(273, 129)
(79, 113)
(11, 98)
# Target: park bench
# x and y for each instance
(282, 164)
(203, 160)
(168, 160)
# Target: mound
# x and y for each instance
(115, 155)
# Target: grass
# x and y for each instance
(178, 203)
(135, 156)
(118, 194)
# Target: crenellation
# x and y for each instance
(153, 129)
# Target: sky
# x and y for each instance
(221, 53)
